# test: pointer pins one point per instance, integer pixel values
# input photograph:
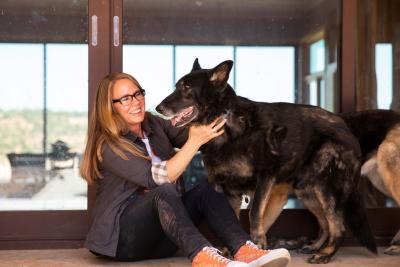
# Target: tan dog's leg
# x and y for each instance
(236, 202)
(260, 200)
(276, 202)
(394, 248)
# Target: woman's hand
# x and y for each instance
(198, 135)
(201, 134)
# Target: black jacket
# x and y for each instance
(123, 178)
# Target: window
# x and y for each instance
(259, 73)
(384, 74)
(45, 109)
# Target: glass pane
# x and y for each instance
(384, 74)
(313, 93)
(265, 39)
(265, 73)
(317, 54)
(143, 62)
(209, 56)
(43, 104)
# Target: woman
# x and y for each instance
(141, 211)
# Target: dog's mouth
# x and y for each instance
(184, 116)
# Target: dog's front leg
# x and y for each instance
(394, 248)
(260, 201)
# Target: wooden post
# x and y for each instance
(366, 95)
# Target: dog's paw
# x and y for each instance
(260, 240)
(319, 258)
(393, 250)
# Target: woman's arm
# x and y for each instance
(198, 135)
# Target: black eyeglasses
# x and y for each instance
(126, 100)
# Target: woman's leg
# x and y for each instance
(204, 202)
(153, 223)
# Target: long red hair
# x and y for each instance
(106, 127)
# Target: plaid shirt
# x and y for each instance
(159, 172)
(160, 175)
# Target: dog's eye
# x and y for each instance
(187, 88)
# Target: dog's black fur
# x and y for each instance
(378, 132)
(271, 143)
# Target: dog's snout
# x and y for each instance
(160, 108)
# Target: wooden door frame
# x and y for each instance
(62, 228)
(67, 229)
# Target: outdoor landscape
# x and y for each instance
(22, 132)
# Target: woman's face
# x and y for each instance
(133, 113)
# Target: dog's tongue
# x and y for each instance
(178, 117)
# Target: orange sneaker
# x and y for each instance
(256, 257)
(210, 257)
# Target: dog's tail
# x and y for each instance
(356, 219)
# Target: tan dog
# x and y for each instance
(383, 170)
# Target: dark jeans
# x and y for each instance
(156, 223)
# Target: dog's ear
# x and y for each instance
(196, 65)
(220, 73)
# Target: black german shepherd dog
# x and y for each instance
(378, 132)
(265, 144)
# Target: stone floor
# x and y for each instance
(346, 257)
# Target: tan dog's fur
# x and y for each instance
(383, 170)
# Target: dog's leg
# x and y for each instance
(261, 198)
(336, 228)
(311, 202)
(394, 248)
(276, 202)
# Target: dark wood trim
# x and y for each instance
(306, 225)
(43, 225)
(116, 51)
(62, 229)
(99, 62)
(41, 244)
(293, 223)
(25, 227)
(348, 56)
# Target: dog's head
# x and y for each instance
(196, 94)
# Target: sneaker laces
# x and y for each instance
(215, 254)
(252, 245)
(257, 249)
